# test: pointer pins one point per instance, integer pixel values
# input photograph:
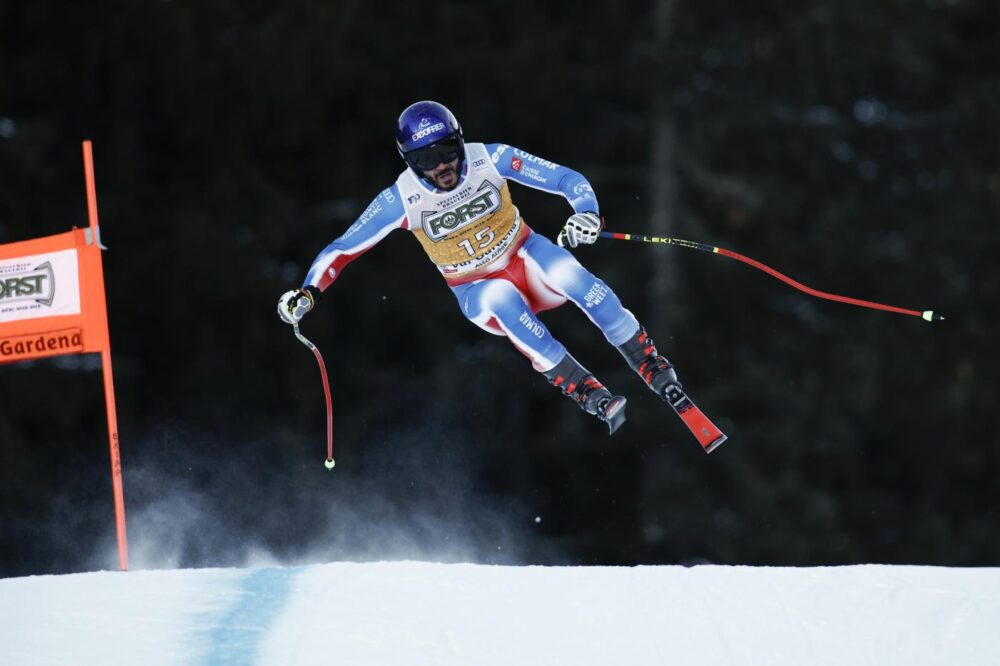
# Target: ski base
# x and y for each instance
(707, 434)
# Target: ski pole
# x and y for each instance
(326, 390)
(926, 315)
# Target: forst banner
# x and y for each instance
(52, 297)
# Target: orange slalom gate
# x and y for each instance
(52, 302)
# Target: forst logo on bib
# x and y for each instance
(439, 225)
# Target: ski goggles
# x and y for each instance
(442, 152)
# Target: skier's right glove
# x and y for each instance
(294, 304)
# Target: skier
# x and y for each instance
(455, 199)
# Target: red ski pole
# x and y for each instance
(326, 390)
(926, 315)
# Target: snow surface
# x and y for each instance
(422, 613)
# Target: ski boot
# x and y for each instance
(576, 382)
(656, 371)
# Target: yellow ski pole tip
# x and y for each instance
(929, 315)
(329, 463)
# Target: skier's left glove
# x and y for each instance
(581, 229)
(294, 304)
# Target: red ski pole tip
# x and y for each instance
(329, 463)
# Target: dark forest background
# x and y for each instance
(852, 145)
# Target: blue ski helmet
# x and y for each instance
(427, 134)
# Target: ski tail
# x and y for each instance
(706, 432)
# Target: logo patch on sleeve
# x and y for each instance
(515, 163)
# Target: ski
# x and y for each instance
(709, 436)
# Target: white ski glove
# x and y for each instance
(580, 229)
(293, 305)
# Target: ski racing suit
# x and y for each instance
(501, 272)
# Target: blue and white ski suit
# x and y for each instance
(501, 272)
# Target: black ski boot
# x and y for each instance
(576, 382)
(656, 371)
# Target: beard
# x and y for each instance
(447, 177)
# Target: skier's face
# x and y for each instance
(445, 175)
